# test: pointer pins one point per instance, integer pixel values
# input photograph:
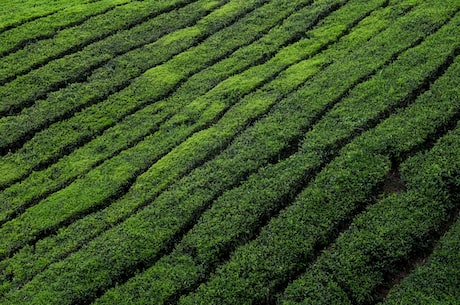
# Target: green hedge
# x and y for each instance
(230, 219)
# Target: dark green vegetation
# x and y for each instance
(230, 152)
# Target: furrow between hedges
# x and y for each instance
(30, 19)
(324, 289)
(416, 259)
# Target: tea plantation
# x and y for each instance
(230, 152)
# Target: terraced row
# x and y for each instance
(247, 165)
